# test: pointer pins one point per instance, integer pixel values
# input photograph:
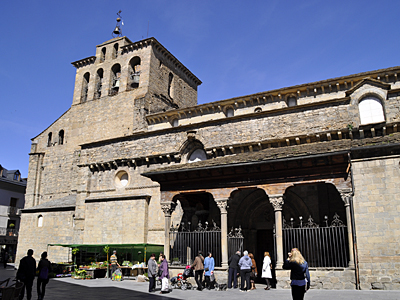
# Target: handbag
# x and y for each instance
(206, 269)
(159, 272)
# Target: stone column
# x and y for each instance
(222, 204)
(347, 197)
(167, 209)
(277, 202)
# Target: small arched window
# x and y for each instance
(115, 51)
(170, 79)
(49, 137)
(115, 79)
(292, 101)
(134, 73)
(175, 123)
(85, 87)
(61, 137)
(371, 110)
(17, 175)
(103, 54)
(197, 155)
(40, 221)
(258, 109)
(230, 112)
(98, 84)
(73, 220)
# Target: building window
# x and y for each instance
(292, 101)
(230, 112)
(115, 79)
(175, 123)
(103, 54)
(49, 139)
(371, 110)
(258, 109)
(73, 220)
(61, 137)
(122, 179)
(17, 175)
(115, 51)
(170, 79)
(40, 221)
(85, 87)
(13, 202)
(134, 73)
(197, 155)
(98, 84)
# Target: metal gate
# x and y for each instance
(185, 244)
(321, 246)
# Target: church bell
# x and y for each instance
(116, 30)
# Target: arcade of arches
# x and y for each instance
(259, 213)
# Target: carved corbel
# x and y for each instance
(168, 208)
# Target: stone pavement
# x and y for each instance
(72, 289)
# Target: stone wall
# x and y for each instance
(322, 278)
(57, 228)
(377, 219)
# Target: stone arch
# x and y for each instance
(189, 147)
(317, 200)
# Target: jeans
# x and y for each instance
(198, 276)
(298, 292)
(245, 276)
(152, 284)
(28, 286)
(232, 276)
(41, 287)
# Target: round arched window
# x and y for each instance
(197, 155)
(40, 221)
(371, 110)
(292, 101)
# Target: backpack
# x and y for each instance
(44, 273)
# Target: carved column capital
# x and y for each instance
(346, 195)
(167, 208)
(277, 201)
(222, 204)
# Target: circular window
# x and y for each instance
(122, 179)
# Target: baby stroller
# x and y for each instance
(180, 281)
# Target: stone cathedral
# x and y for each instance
(135, 160)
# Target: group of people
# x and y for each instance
(162, 273)
(27, 271)
(246, 267)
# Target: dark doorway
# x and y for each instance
(265, 242)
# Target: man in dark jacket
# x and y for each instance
(233, 269)
(26, 273)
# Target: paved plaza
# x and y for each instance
(72, 289)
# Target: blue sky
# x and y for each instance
(234, 47)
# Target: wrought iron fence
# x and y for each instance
(185, 244)
(321, 246)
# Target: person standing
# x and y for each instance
(209, 266)
(245, 265)
(164, 275)
(198, 266)
(152, 272)
(44, 269)
(234, 269)
(299, 274)
(253, 273)
(26, 273)
(114, 262)
(266, 269)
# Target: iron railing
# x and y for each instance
(185, 244)
(321, 246)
